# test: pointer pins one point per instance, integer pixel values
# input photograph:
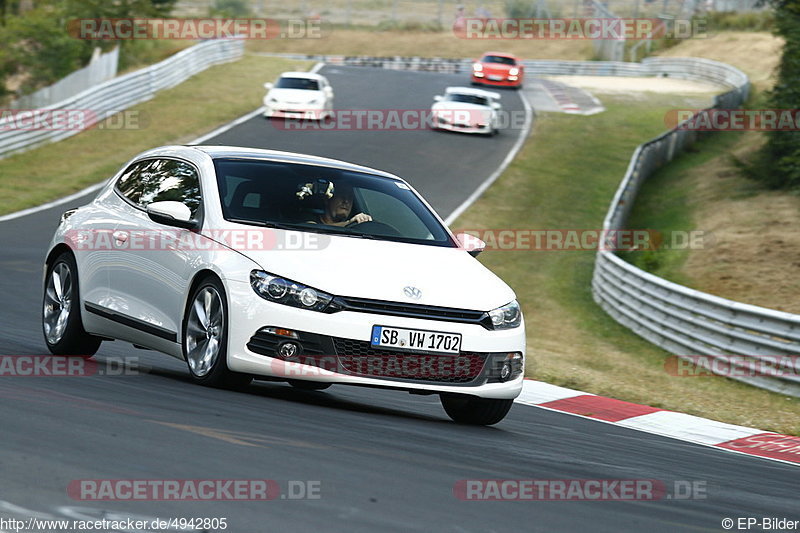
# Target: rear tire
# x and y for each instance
(205, 338)
(61, 311)
(475, 411)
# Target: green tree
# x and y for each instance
(37, 46)
(780, 164)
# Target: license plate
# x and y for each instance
(495, 78)
(415, 339)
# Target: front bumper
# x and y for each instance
(335, 349)
(277, 111)
(504, 81)
(464, 128)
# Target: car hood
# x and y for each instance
(380, 270)
(497, 67)
(297, 96)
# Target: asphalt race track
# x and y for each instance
(385, 461)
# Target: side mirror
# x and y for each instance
(496, 106)
(171, 214)
(268, 86)
(472, 244)
(438, 98)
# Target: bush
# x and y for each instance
(230, 9)
(747, 21)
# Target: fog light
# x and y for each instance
(505, 372)
(287, 350)
(280, 331)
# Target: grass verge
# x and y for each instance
(666, 204)
(564, 178)
(176, 115)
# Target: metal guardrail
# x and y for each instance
(681, 320)
(106, 99)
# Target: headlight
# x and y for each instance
(513, 71)
(288, 292)
(477, 67)
(506, 317)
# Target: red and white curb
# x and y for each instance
(749, 441)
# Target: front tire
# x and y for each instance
(475, 411)
(61, 311)
(205, 338)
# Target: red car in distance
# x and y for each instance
(498, 69)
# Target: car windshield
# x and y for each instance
(499, 59)
(297, 83)
(322, 200)
(466, 98)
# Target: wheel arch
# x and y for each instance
(199, 276)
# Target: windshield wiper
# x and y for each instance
(311, 228)
(265, 224)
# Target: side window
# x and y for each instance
(129, 184)
(159, 180)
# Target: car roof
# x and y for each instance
(473, 91)
(257, 154)
(298, 74)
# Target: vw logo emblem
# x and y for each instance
(412, 292)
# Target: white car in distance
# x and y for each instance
(255, 264)
(467, 110)
(302, 95)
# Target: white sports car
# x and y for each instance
(467, 110)
(285, 267)
(299, 95)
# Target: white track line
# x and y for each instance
(526, 128)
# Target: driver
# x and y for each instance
(339, 207)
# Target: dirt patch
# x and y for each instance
(756, 53)
(621, 84)
(754, 252)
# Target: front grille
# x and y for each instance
(429, 312)
(361, 358)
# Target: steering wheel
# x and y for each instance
(376, 228)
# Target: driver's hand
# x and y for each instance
(360, 218)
